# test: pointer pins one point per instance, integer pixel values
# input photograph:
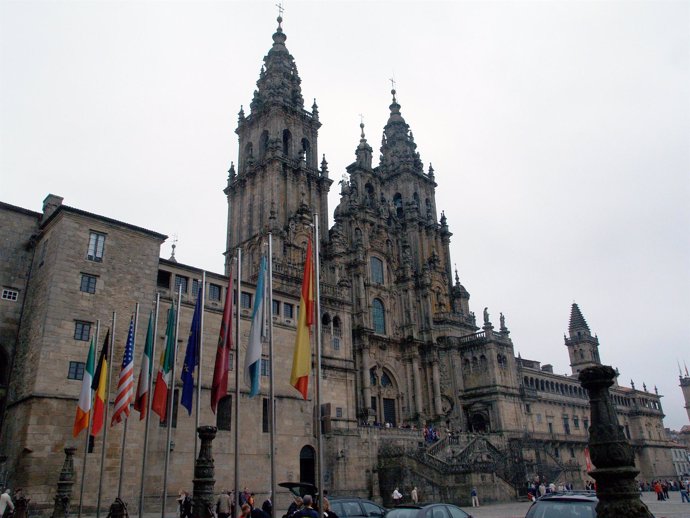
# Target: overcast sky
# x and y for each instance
(559, 132)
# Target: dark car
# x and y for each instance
(569, 504)
(355, 507)
(427, 511)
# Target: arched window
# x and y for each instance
(378, 317)
(326, 323)
(376, 270)
(307, 473)
(263, 144)
(337, 327)
(306, 147)
(224, 416)
(386, 380)
(397, 202)
(287, 143)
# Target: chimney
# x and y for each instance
(50, 205)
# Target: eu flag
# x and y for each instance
(191, 357)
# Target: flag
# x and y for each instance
(100, 380)
(257, 331)
(159, 403)
(191, 357)
(125, 383)
(301, 360)
(221, 368)
(81, 421)
(141, 401)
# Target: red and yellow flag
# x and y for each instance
(301, 361)
(100, 380)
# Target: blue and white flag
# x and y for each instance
(252, 360)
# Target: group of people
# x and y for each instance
(304, 507)
(541, 488)
(397, 496)
(225, 505)
(662, 487)
(17, 508)
(430, 434)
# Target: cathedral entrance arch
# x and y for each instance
(307, 470)
(384, 396)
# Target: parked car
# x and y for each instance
(427, 511)
(568, 504)
(355, 508)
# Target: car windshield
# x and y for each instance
(402, 512)
(562, 509)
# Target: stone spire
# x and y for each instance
(577, 321)
(364, 151)
(279, 82)
(398, 150)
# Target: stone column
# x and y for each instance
(436, 380)
(610, 451)
(417, 386)
(366, 381)
(64, 486)
(204, 473)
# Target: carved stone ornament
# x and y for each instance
(204, 473)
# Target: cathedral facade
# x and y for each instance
(401, 348)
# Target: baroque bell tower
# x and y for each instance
(278, 184)
(583, 348)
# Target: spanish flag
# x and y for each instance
(100, 381)
(301, 361)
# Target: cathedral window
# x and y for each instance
(181, 282)
(214, 292)
(306, 148)
(82, 330)
(263, 144)
(76, 371)
(96, 247)
(326, 324)
(576, 422)
(378, 317)
(287, 143)
(88, 283)
(224, 417)
(386, 380)
(337, 328)
(376, 270)
(397, 202)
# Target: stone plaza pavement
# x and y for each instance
(672, 508)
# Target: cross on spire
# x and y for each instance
(392, 80)
(280, 7)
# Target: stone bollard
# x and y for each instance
(64, 486)
(610, 451)
(204, 472)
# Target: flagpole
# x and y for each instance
(88, 432)
(148, 409)
(202, 294)
(105, 415)
(171, 396)
(271, 389)
(237, 381)
(317, 322)
(124, 431)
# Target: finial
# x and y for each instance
(686, 369)
(632, 384)
(240, 116)
(457, 278)
(324, 166)
(431, 171)
(231, 171)
(174, 245)
(280, 7)
(644, 386)
(680, 372)
(656, 390)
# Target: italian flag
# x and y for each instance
(159, 404)
(140, 403)
(81, 421)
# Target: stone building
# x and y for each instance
(401, 347)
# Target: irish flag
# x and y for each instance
(301, 360)
(141, 400)
(159, 404)
(81, 421)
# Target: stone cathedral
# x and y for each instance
(402, 349)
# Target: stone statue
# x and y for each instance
(503, 322)
(486, 316)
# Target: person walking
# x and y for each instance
(186, 506)
(475, 497)
(414, 495)
(307, 511)
(6, 503)
(224, 505)
(397, 496)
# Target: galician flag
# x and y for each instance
(257, 331)
(159, 403)
(141, 400)
(301, 360)
(81, 421)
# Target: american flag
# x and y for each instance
(125, 384)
